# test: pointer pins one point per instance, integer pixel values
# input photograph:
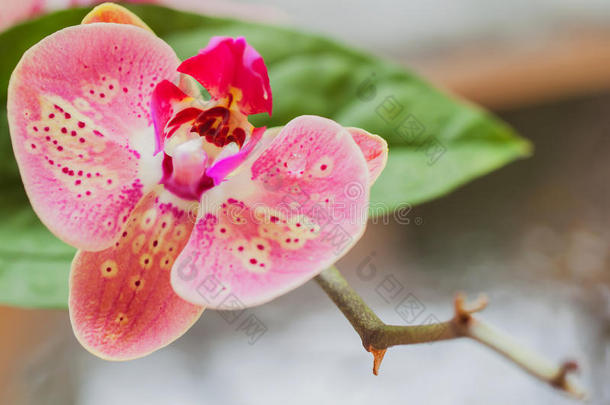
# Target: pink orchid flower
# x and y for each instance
(174, 202)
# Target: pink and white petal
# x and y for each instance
(290, 212)
(230, 67)
(80, 123)
(375, 151)
(122, 305)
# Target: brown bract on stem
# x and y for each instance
(377, 336)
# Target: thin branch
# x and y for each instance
(377, 337)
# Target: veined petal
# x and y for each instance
(230, 67)
(375, 151)
(289, 213)
(113, 13)
(165, 97)
(122, 305)
(78, 110)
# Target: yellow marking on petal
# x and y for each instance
(179, 232)
(103, 91)
(121, 319)
(137, 243)
(253, 254)
(109, 269)
(63, 135)
(237, 95)
(146, 261)
(136, 283)
(166, 262)
(289, 232)
(148, 219)
(154, 246)
(170, 248)
(165, 223)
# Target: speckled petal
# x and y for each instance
(122, 305)
(113, 13)
(375, 151)
(231, 67)
(78, 109)
(291, 211)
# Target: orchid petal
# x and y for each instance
(373, 147)
(375, 151)
(291, 211)
(81, 128)
(113, 13)
(230, 67)
(122, 305)
(225, 165)
(165, 97)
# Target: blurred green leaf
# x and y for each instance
(34, 264)
(436, 142)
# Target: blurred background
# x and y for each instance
(534, 236)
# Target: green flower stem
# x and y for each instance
(377, 337)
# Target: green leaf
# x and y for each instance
(34, 264)
(446, 143)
